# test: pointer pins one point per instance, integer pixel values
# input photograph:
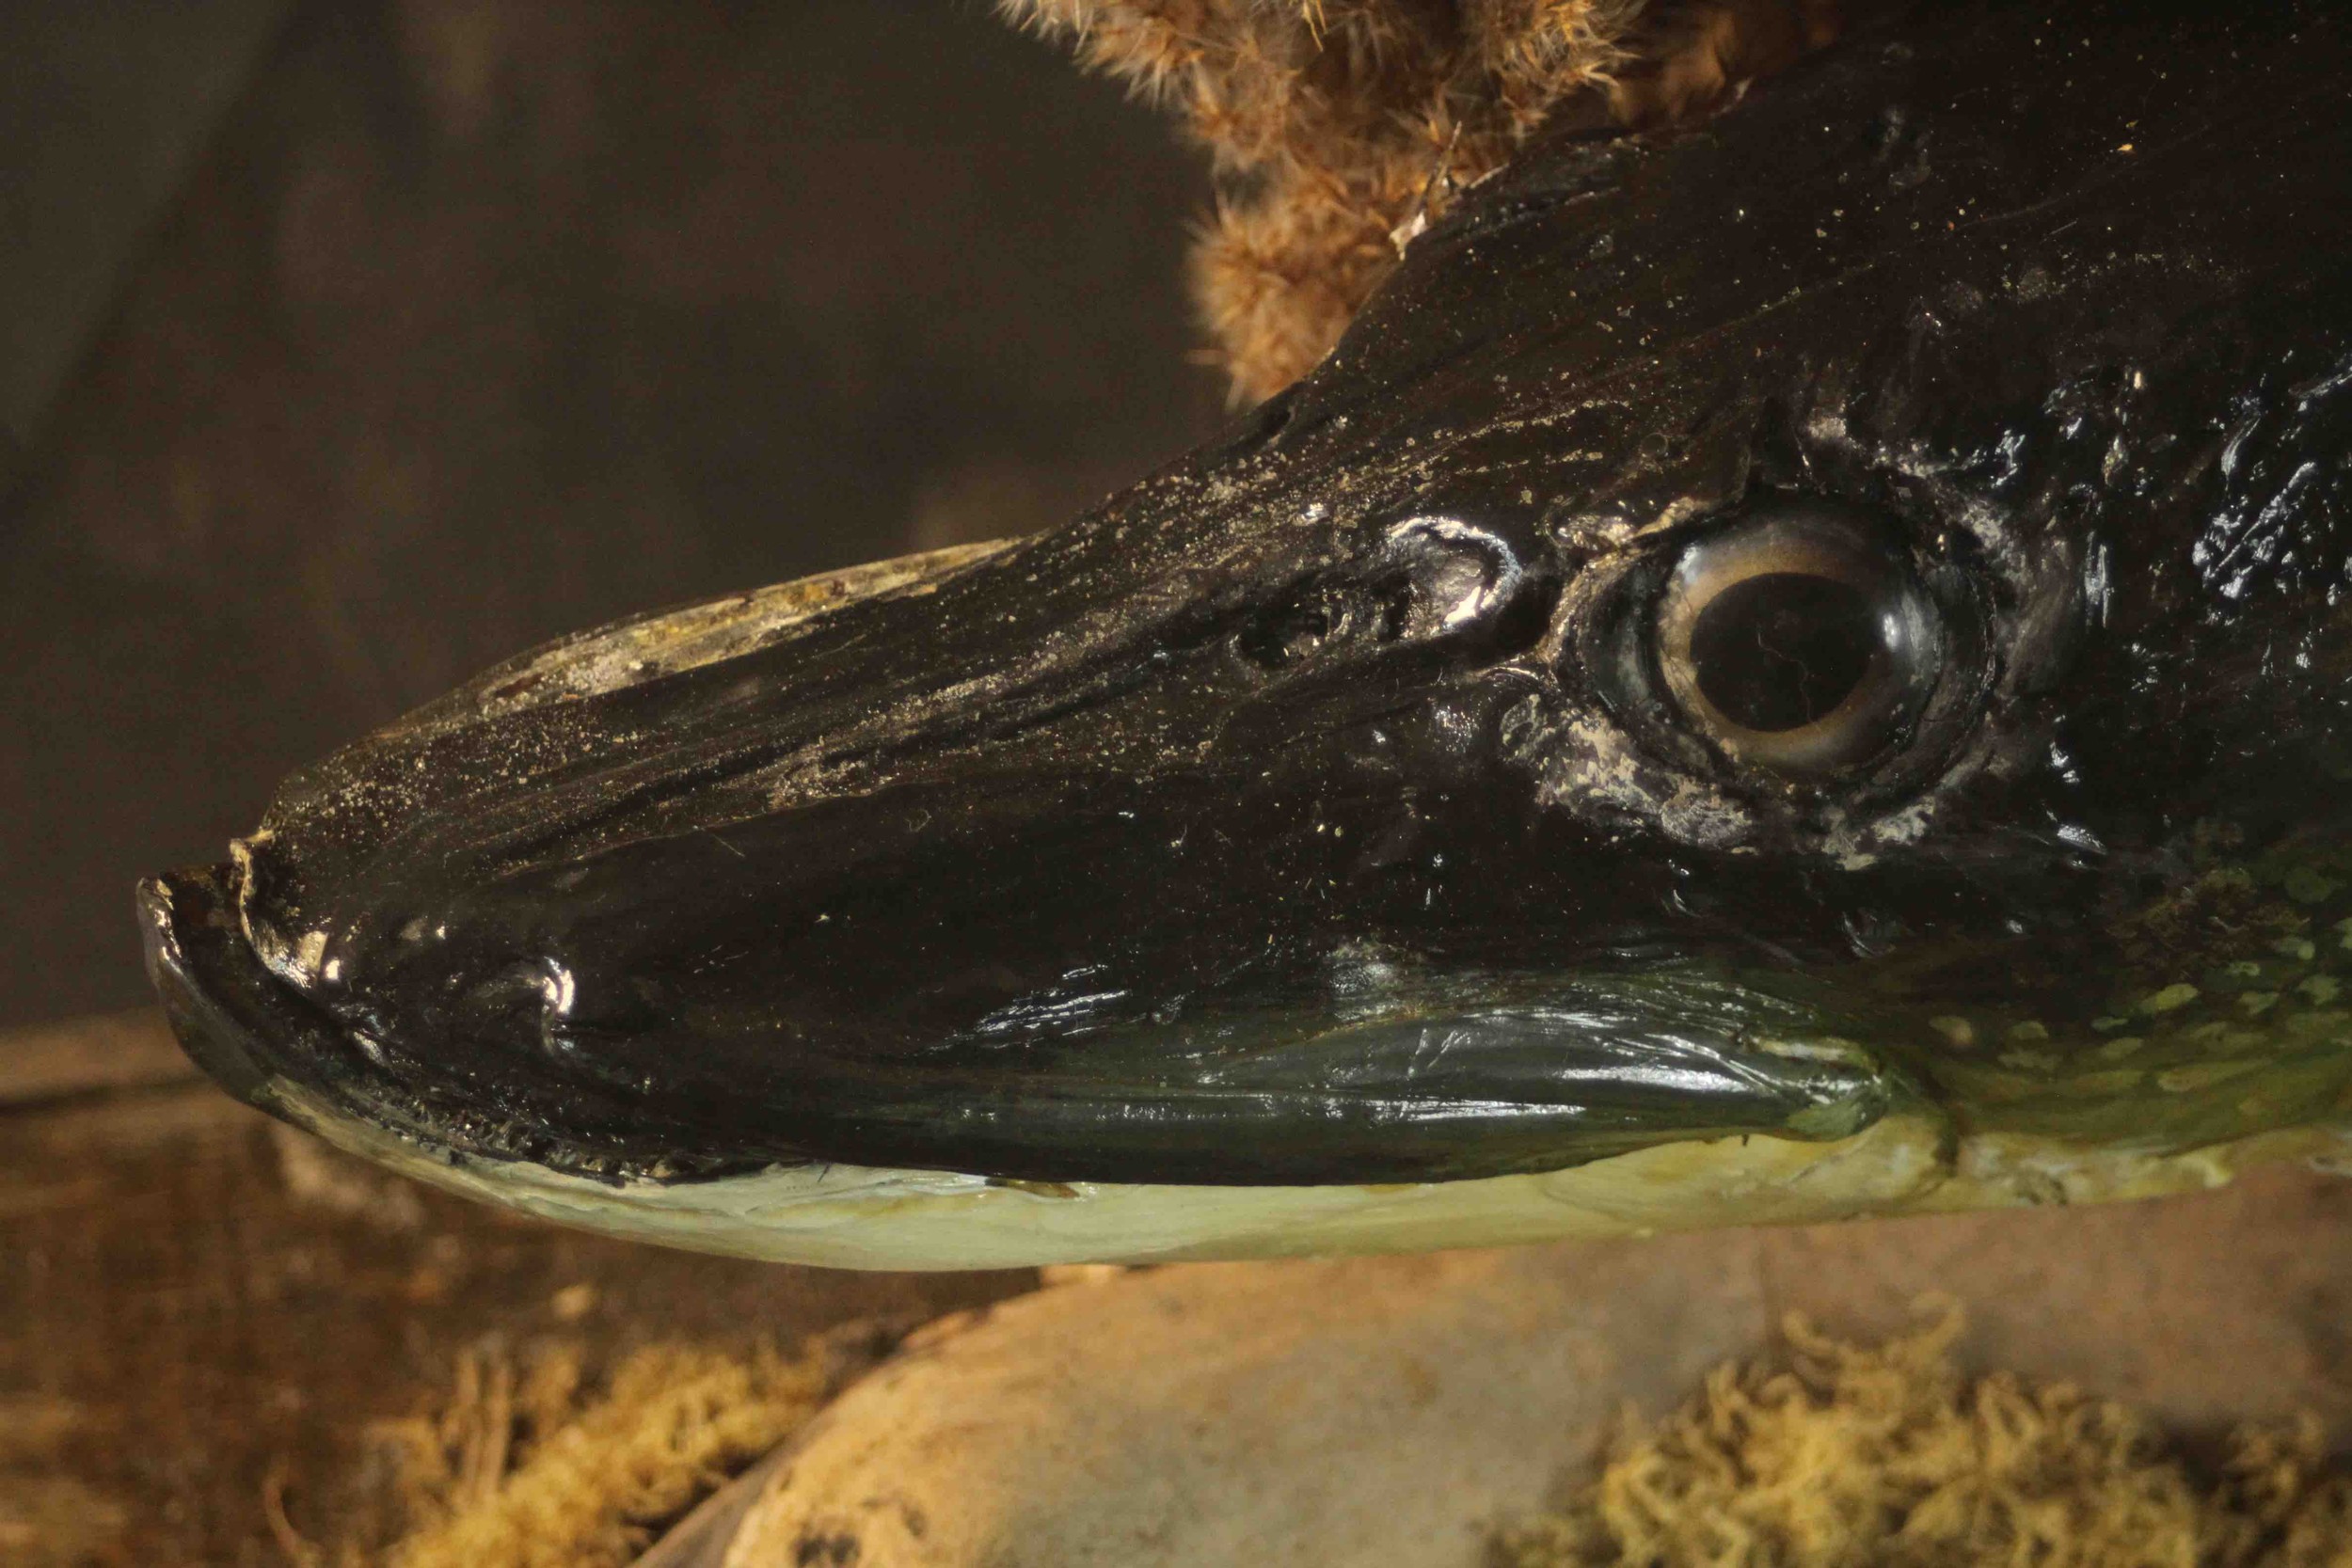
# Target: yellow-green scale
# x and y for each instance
(2236, 1026)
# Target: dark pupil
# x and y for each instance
(1781, 649)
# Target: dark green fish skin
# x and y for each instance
(1324, 810)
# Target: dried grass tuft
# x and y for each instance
(530, 1464)
(1888, 1456)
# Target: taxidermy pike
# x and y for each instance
(1791, 670)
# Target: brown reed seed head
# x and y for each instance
(1338, 128)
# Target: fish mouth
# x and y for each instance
(1007, 966)
(992, 1014)
(1342, 1094)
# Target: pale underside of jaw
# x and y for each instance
(863, 1217)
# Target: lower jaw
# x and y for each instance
(1912, 1160)
(863, 1217)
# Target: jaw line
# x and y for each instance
(866, 1217)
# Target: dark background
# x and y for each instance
(347, 346)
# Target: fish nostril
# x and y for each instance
(1293, 631)
(1450, 577)
(1434, 579)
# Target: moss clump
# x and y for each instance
(530, 1464)
(1888, 1456)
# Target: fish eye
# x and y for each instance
(1798, 641)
